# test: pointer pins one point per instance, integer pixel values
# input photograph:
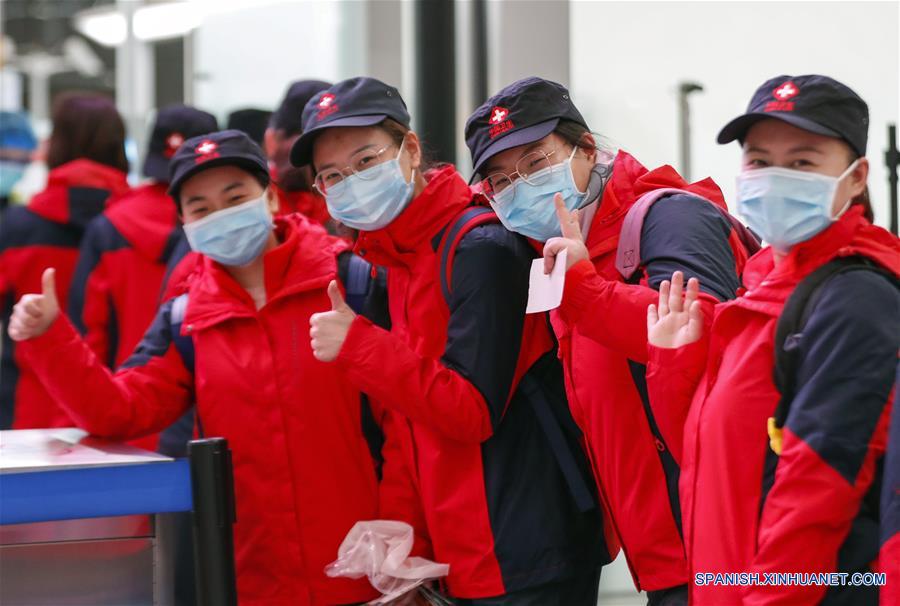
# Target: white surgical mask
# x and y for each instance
(233, 236)
(786, 206)
(373, 198)
(530, 210)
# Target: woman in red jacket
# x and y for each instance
(504, 483)
(779, 472)
(529, 142)
(86, 158)
(236, 345)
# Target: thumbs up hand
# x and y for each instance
(328, 330)
(33, 314)
(571, 239)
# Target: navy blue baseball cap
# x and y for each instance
(288, 116)
(353, 102)
(814, 103)
(251, 120)
(173, 126)
(524, 112)
(223, 148)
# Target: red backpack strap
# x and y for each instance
(463, 223)
(628, 253)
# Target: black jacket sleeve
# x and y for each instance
(848, 349)
(489, 293)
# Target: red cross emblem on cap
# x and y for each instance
(206, 147)
(498, 115)
(786, 91)
(326, 100)
(173, 142)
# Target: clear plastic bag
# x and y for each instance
(379, 550)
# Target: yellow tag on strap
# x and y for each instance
(774, 436)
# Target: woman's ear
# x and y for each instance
(271, 200)
(588, 146)
(859, 177)
(413, 147)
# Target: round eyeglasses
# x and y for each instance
(532, 168)
(366, 164)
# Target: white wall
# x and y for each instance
(627, 59)
(247, 57)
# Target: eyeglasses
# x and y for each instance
(530, 168)
(331, 181)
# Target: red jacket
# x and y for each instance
(303, 471)
(115, 292)
(482, 466)
(601, 327)
(117, 280)
(308, 203)
(46, 233)
(835, 431)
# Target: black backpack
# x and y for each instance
(789, 331)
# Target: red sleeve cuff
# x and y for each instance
(680, 359)
(578, 297)
(355, 345)
(60, 331)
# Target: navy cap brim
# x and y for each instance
(245, 163)
(524, 136)
(301, 152)
(156, 166)
(736, 130)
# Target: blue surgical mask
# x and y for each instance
(234, 236)
(372, 198)
(786, 206)
(529, 209)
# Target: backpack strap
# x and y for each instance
(183, 343)
(356, 275)
(628, 253)
(466, 221)
(178, 434)
(562, 452)
(789, 332)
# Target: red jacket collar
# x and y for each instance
(54, 203)
(850, 235)
(630, 180)
(305, 260)
(398, 244)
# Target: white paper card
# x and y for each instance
(545, 291)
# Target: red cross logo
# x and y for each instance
(786, 91)
(206, 147)
(326, 100)
(498, 115)
(173, 142)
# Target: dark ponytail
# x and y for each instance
(574, 133)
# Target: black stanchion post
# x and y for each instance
(479, 53)
(213, 514)
(435, 48)
(684, 121)
(892, 160)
